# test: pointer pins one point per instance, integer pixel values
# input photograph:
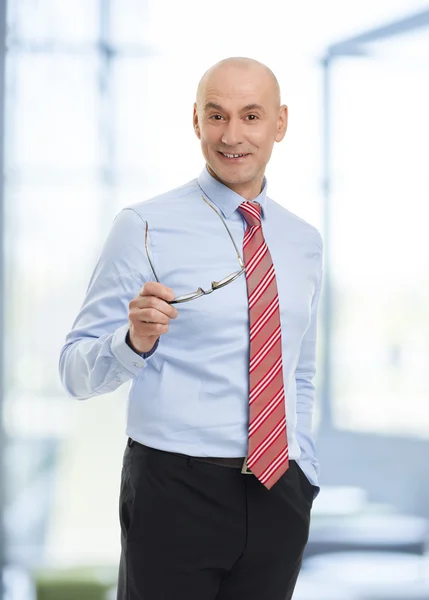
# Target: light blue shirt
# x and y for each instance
(191, 395)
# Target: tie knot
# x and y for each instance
(251, 211)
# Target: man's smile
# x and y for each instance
(233, 157)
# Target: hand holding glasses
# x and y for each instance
(149, 316)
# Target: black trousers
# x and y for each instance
(197, 531)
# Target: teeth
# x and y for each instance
(233, 155)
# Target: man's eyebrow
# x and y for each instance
(214, 106)
(253, 107)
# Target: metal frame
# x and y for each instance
(354, 46)
(3, 6)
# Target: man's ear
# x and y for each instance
(282, 122)
(196, 124)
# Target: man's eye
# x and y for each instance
(252, 117)
(216, 117)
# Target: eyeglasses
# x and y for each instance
(215, 284)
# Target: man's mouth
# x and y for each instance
(232, 156)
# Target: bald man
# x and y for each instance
(205, 298)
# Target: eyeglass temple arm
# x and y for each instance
(240, 260)
(147, 252)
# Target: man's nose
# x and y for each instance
(232, 133)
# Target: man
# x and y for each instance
(219, 472)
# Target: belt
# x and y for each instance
(232, 463)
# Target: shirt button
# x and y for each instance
(138, 364)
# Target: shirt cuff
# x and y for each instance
(129, 359)
(310, 472)
(151, 351)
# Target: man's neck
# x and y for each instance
(248, 191)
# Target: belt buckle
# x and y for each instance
(245, 469)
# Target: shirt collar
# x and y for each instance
(226, 199)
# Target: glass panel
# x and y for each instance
(53, 107)
(379, 250)
(129, 22)
(130, 191)
(153, 123)
(133, 120)
(53, 235)
(52, 21)
(52, 238)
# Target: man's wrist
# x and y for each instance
(128, 342)
(143, 353)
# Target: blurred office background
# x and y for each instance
(97, 101)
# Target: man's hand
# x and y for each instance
(150, 315)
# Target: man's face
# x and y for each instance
(238, 118)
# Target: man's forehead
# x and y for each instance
(241, 100)
(232, 92)
(235, 85)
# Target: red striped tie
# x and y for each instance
(268, 449)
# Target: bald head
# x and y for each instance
(255, 70)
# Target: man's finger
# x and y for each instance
(151, 315)
(162, 306)
(153, 288)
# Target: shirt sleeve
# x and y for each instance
(304, 375)
(96, 358)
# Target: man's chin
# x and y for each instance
(230, 175)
